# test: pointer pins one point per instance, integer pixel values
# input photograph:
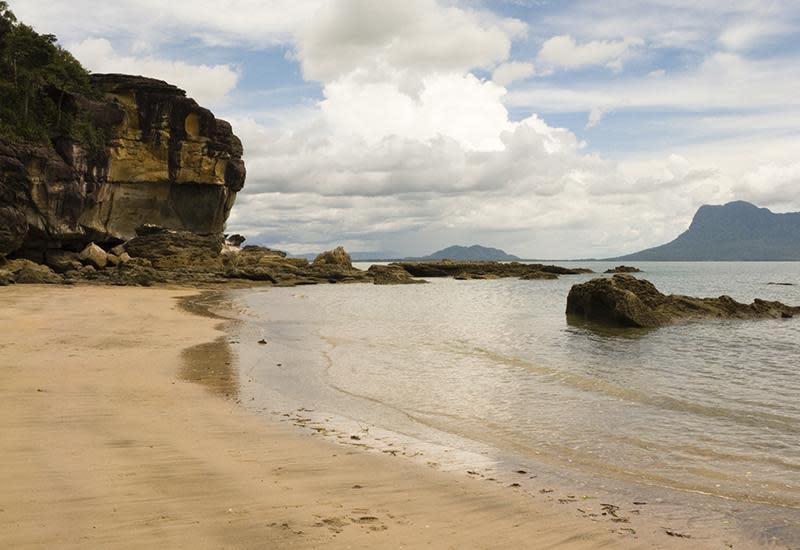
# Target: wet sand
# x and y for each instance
(107, 442)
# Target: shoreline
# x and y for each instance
(107, 445)
(706, 517)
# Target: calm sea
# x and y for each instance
(494, 369)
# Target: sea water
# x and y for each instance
(495, 367)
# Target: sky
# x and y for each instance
(549, 128)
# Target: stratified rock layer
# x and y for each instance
(166, 161)
(624, 300)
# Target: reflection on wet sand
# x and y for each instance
(212, 364)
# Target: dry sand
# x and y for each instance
(106, 445)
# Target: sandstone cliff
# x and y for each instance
(160, 159)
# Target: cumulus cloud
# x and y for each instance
(512, 71)
(208, 84)
(453, 105)
(416, 35)
(407, 147)
(540, 193)
(564, 52)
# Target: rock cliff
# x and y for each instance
(159, 158)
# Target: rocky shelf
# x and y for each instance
(156, 255)
(463, 270)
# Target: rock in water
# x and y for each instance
(624, 269)
(537, 275)
(486, 270)
(337, 257)
(624, 300)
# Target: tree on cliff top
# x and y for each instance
(36, 78)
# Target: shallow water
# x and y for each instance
(706, 407)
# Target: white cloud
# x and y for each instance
(772, 185)
(458, 106)
(564, 52)
(216, 22)
(749, 34)
(539, 193)
(595, 115)
(415, 35)
(722, 81)
(512, 71)
(207, 84)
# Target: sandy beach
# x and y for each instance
(106, 444)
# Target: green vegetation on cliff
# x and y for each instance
(38, 83)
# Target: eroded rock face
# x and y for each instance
(624, 300)
(166, 161)
(165, 248)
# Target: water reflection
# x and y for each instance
(212, 364)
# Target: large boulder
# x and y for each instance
(94, 256)
(624, 300)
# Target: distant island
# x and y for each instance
(470, 253)
(737, 231)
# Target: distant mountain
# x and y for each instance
(473, 253)
(737, 231)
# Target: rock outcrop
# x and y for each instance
(391, 275)
(337, 257)
(624, 269)
(624, 300)
(161, 159)
(157, 255)
(486, 270)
